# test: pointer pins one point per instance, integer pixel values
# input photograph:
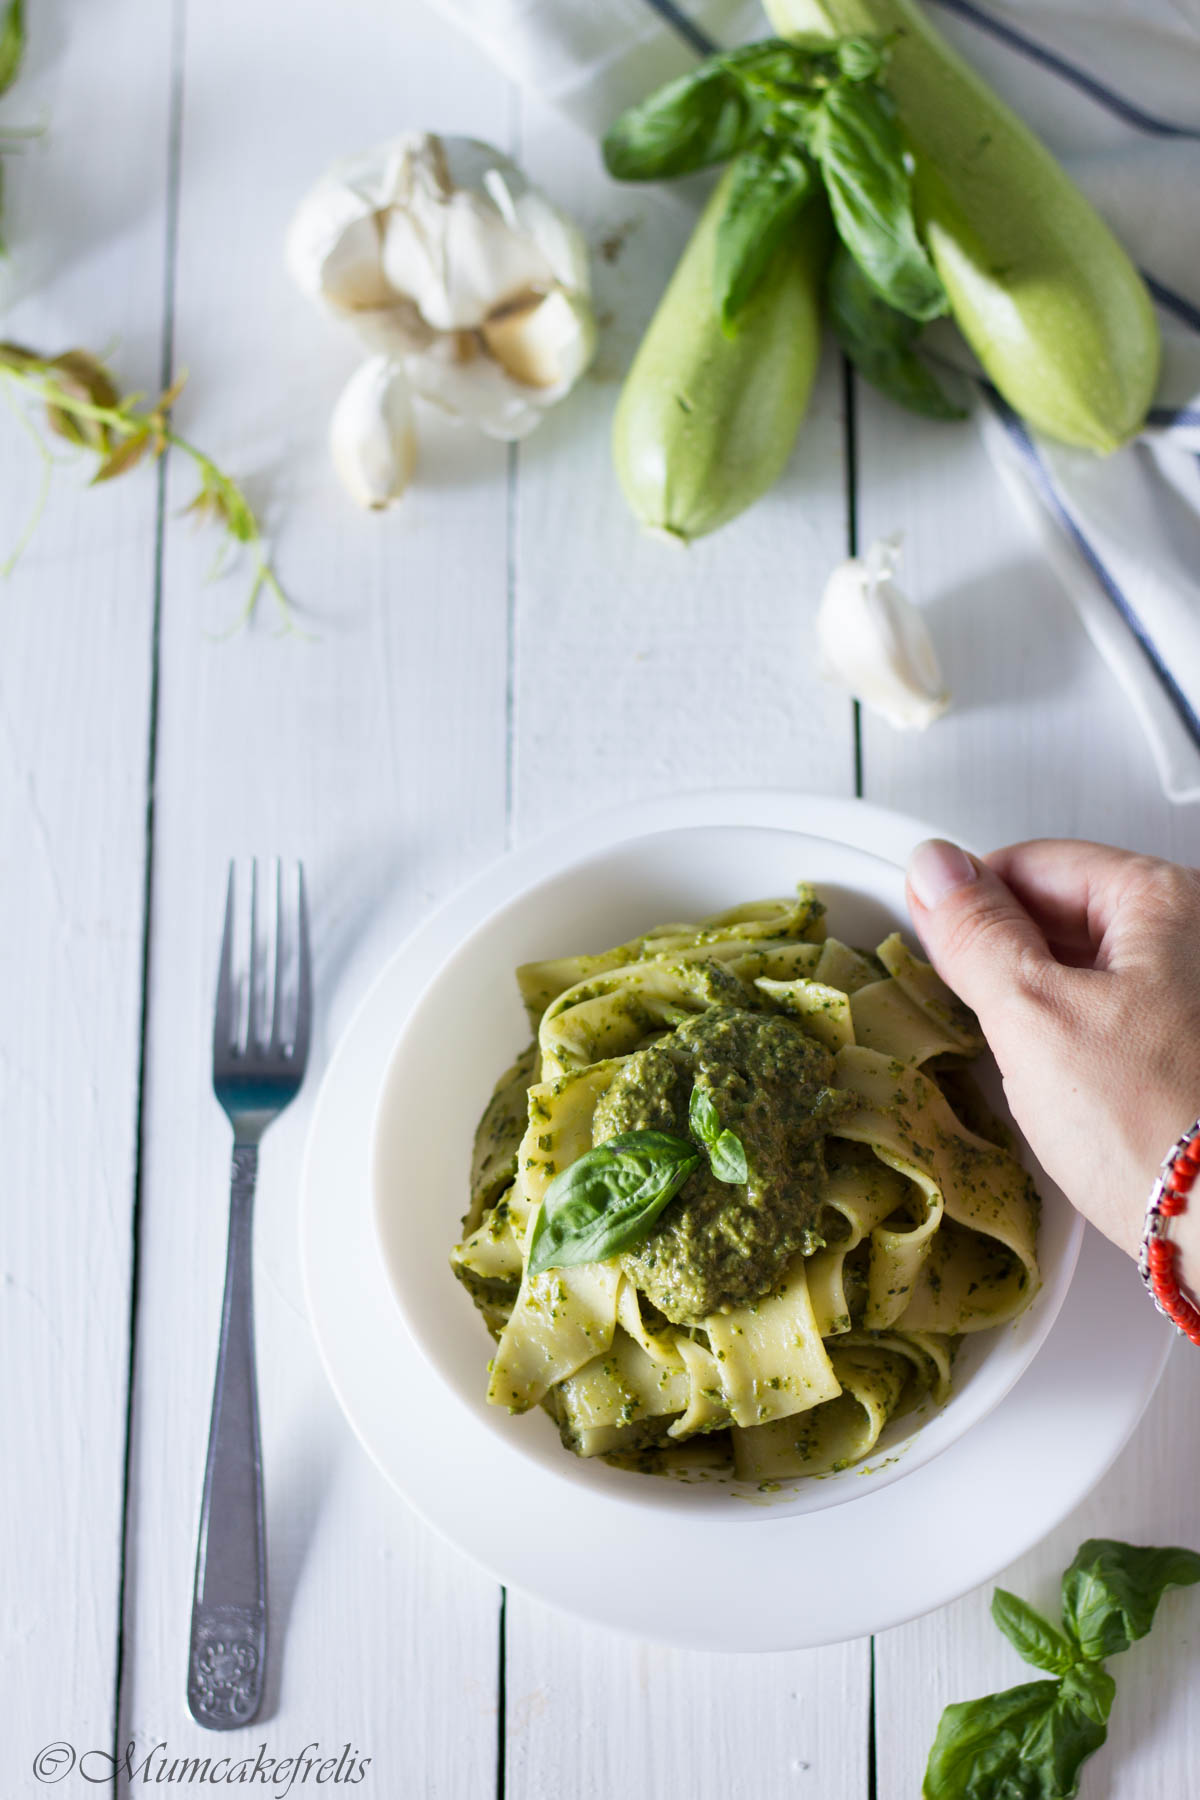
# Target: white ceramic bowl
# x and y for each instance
(469, 1024)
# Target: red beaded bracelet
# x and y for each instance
(1169, 1198)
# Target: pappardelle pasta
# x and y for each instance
(735, 1205)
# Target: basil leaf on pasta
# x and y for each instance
(703, 1116)
(1033, 1637)
(607, 1200)
(727, 1159)
(726, 1152)
(1111, 1591)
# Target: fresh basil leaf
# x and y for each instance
(879, 341)
(1033, 1637)
(12, 42)
(607, 1200)
(854, 137)
(1091, 1688)
(721, 107)
(705, 117)
(726, 1152)
(703, 1117)
(1111, 1591)
(770, 183)
(1027, 1743)
(788, 65)
(727, 1158)
(861, 58)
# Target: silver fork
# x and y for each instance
(256, 1073)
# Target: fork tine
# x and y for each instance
(303, 976)
(276, 1039)
(223, 1022)
(256, 967)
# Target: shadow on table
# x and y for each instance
(299, 1479)
(1010, 635)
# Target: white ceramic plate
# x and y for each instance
(994, 1491)
(468, 1026)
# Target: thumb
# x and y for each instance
(977, 934)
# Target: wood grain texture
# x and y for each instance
(374, 748)
(640, 668)
(1069, 761)
(84, 223)
(503, 653)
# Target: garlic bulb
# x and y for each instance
(440, 256)
(371, 435)
(876, 643)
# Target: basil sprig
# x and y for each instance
(879, 341)
(800, 116)
(772, 180)
(1032, 1741)
(857, 144)
(726, 1152)
(608, 1198)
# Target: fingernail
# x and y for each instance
(936, 868)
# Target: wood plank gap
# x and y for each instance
(166, 361)
(502, 1698)
(510, 670)
(512, 473)
(849, 409)
(872, 1787)
(851, 441)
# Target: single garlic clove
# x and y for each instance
(877, 644)
(371, 436)
(334, 249)
(545, 341)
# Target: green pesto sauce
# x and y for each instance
(717, 1246)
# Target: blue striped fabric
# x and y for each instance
(1058, 65)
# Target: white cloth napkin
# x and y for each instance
(1113, 87)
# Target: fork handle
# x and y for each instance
(228, 1649)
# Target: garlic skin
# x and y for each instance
(440, 255)
(372, 438)
(875, 642)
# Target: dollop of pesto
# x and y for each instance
(718, 1246)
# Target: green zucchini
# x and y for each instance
(706, 420)
(1038, 285)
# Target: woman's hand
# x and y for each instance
(1083, 964)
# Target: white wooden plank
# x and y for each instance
(375, 749)
(1041, 742)
(83, 219)
(592, 1714)
(644, 668)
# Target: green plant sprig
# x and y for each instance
(1032, 1741)
(84, 406)
(12, 50)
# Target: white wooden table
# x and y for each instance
(500, 654)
